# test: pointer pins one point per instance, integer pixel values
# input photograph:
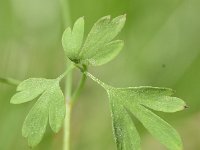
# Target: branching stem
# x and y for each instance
(104, 85)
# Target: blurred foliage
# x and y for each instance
(161, 49)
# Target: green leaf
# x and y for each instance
(30, 89)
(160, 129)
(155, 98)
(56, 108)
(103, 31)
(165, 104)
(35, 123)
(126, 134)
(98, 48)
(106, 53)
(50, 105)
(133, 100)
(72, 39)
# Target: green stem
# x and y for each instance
(105, 86)
(84, 71)
(69, 69)
(64, 4)
(66, 136)
(68, 86)
(9, 81)
(80, 86)
(68, 83)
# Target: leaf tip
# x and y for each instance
(32, 144)
(121, 18)
(55, 127)
(186, 107)
(83, 17)
(105, 18)
(173, 91)
(56, 130)
(80, 20)
(124, 16)
(13, 101)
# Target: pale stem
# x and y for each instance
(68, 83)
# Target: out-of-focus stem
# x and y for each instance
(9, 81)
(68, 82)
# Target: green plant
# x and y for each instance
(98, 49)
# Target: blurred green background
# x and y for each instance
(162, 48)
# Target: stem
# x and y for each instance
(68, 83)
(68, 86)
(64, 4)
(105, 86)
(69, 69)
(80, 86)
(10, 81)
(84, 71)
(66, 136)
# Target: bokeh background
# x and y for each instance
(162, 48)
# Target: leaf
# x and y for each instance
(127, 136)
(30, 89)
(106, 53)
(35, 123)
(133, 100)
(160, 129)
(50, 105)
(98, 48)
(56, 108)
(72, 39)
(103, 31)
(155, 98)
(165, 104)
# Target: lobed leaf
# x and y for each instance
(72, 39)
(50, 105)
(133, 100)
(98, 48)
(155, 98)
